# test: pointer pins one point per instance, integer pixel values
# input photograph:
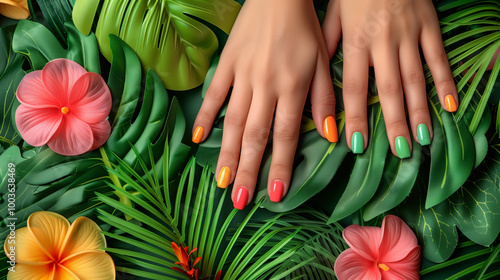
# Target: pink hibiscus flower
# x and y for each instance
(65, 107)
(387, 253)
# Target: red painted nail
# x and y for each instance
(276, 191)
(241, 198)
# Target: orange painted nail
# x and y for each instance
(330, 129)
(198, 134)
(450, 103)
(224, 177)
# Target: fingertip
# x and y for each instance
(240, 198)
(276, 191)
(402, 147)
(330, 129)
(450, 103)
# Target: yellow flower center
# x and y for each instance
(64, 110)
(383, 267)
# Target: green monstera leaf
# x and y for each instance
(171, 37)
(11, 73)
(473, 209)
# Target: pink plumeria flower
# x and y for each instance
(65, 107)
(386, 253)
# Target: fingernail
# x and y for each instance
(423, 134)
(357, 143)
(197, 135)
(224, 177)
(241, 198)
(402, 148)
(276, 191)
(330, 129)
(450, 103)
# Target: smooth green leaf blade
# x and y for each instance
(368, 169)
(452, 157)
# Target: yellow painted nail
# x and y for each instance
(198, 135)
(330, 129)
(224, 177)
(450, 103)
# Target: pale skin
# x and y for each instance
(276, 54)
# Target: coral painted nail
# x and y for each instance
(241, 198)
(224, 177)
(330, 129)
(198, 135)
(451, 104)
(276, 191)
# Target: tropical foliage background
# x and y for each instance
(149, 186)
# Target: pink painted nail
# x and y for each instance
(276, 191)
(241, 198)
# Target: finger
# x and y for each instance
(390, 92)
(332, 28)
(253, 144)
(355, 90)
(413, 80)
(285, 138)
(234, 122)
(214, 98)
(323, 101)
(436, 58)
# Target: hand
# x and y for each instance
(386, 34)
(275, 53)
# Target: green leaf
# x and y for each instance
(398, 179)
(368, 169)
(41, 46)
(473, 209)
(11, 73)
(171, 37)
(56, 13)
(139, 118)
(452, 157)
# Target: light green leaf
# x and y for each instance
(171, 37)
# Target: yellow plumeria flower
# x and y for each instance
(50, 248)
(16, 9)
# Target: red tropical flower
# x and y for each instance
(184, 261)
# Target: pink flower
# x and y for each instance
(65, 107)
(387, 253)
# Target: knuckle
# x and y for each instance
(256, 136)
(397, 127)
(246, 176)
(234, 119)
(215, 94)
(390, 88)
(203, 117)
(446, 85)
(420, 113)
(286, 135)
(326, 99)
(415, 77)
(355, 121)
(352, 86)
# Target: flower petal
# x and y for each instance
(397, 239)
(90, 99)
(101, 132)
(73, 137)
(26, 271)
(26, 248)
(14, 9)
(59, 76)
(31, 91)
(37, 126)
(349, 266)
(95, 265)
(363, 240)
(83, 235)
(49, 230)
(407, 268)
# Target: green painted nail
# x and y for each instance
(357, 143)
(402, 148)
(423, 134)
